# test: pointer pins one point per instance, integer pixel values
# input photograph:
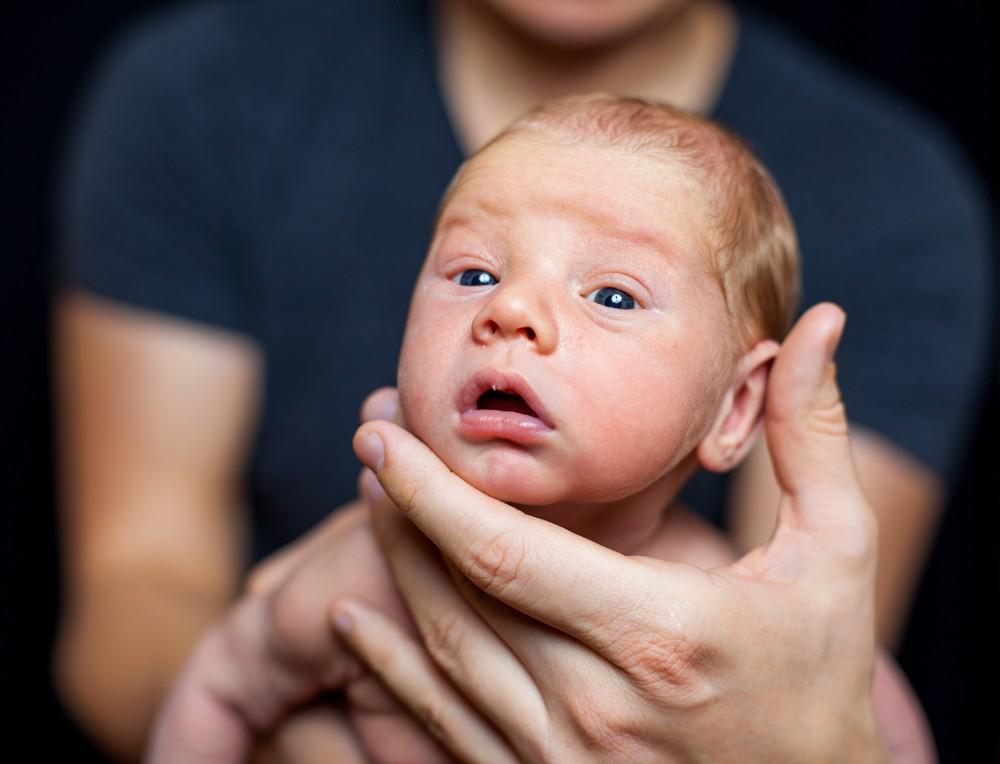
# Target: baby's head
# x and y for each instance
(606, 285)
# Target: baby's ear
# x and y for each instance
(741, 412)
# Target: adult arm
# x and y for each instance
(153, 419)
(158, 383)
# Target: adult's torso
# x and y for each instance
(328, 147)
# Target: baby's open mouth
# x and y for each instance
(500, 405)
(497, 400)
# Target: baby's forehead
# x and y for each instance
(536, 146)
(609, 184)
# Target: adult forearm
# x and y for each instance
(120, 646)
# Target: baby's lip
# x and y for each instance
(505, 382)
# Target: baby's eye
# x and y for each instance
(475, 277)
(610, 297)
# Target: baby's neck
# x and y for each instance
(629, 525)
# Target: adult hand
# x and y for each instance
(575, 652)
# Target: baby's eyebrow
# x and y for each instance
(452, 220)
(473, 213)
(645, 238)
(610, 226)
(469, 212)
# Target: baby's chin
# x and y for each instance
(510, 474)
(513, 486)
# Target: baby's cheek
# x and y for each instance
(420, 374)
(427, 398)
(613, 473)
(632, 443)
(418, 406)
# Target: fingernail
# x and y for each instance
(371, 450)
(343, 622)
(371, 490)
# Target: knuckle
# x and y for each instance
(545, 742)
(295, 626)
(829, 417)
(673, 668)
(433, 715)
(408, 496)
(604, 726)
(495, 564)
(444, 637)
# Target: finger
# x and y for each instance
(806, 424)
(382, 404)
(389, 733)
(408, 672)
(559, 666)
(463, 646)
(556, 665)
(538, 568)
(316, 735)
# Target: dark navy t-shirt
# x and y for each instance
(273, 168)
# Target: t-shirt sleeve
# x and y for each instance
(145, 216)
(917, 295)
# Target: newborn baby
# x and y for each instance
(607, 284)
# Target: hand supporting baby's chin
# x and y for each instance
(628, 518)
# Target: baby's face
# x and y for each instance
(570, 278)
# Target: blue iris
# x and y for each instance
(476, 277)
(610, 297)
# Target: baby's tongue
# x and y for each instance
(493, 399)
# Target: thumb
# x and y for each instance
(806, 424)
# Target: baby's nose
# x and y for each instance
(516, 313)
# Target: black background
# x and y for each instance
(940, 56)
